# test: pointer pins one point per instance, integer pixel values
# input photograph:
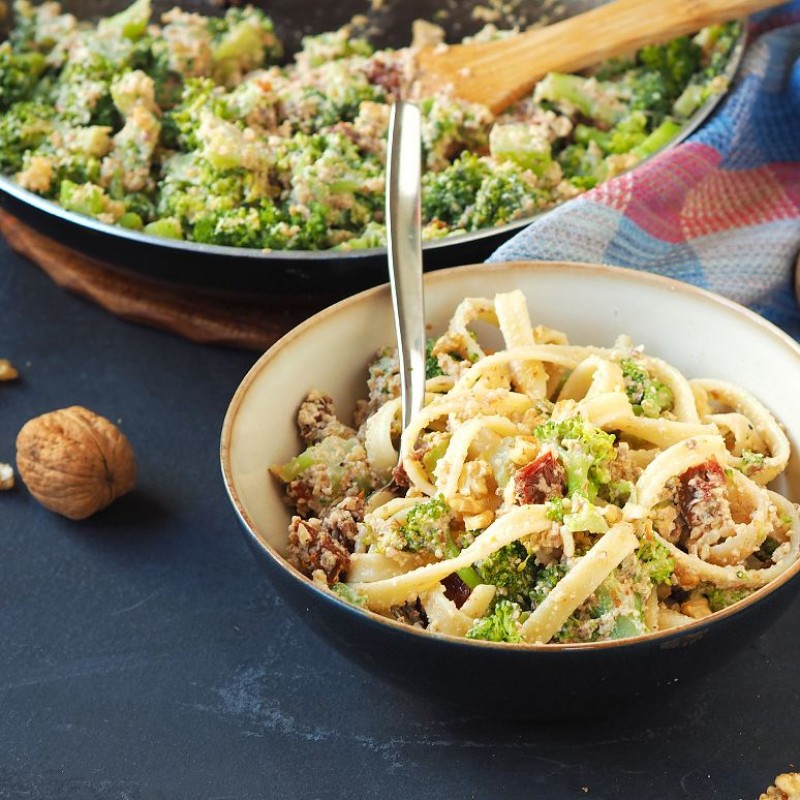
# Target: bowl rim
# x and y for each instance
(665, 638)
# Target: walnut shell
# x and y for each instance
(74, 461)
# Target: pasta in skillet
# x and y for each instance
(547, 492)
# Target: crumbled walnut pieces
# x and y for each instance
(7, 370)
(787, 787)
(317, 419)
(6, 477)
(75, 462)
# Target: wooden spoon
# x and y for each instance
(500, 72)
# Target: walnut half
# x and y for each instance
(75, 462)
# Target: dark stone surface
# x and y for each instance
(143, 654)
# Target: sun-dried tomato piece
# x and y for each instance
(541, 480)
(699, 493)
(456, 590)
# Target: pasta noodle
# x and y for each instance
(547, 492)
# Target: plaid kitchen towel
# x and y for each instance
(720, 210)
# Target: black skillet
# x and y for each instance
(290, 274)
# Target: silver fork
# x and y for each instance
(403, 230)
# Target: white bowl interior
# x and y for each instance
(699, 333)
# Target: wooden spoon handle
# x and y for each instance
(501, 72)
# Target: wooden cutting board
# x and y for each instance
(191, 313)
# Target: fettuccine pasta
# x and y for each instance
(547, 492)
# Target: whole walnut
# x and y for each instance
(74, 461)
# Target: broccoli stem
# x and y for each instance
(659, 138)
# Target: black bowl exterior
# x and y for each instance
(515, 681)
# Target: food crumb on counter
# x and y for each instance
(7, 370)
(6, 477)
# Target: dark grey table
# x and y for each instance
(144, 655)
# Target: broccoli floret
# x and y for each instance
(89, 199)
(502, 625)
(628, 133)
(19, 75)
(526, 146)
(427, 527)
(581, 165)
(327, 170)
(82, 93)
(432, 368)
(446, 195)
(649, 397)
(656, 560)
(585, 451)
(349, 594)
(504, 195)
(242, 40)
(180, 123)
(512, 570)
(263, 225)
(722, 598)
(24, 127)
(676, 62)
(649, 94)
(449, 128)
(331, 46)
(40, 28)
(546, 579)
(594, 99)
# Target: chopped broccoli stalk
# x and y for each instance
(512, 571)
(586, 518)
(502, 625)
(166, 227)
(592, 98)
(427, 527)
(470, 577)
(649, 397)
(349, 594)
(525, 145)
(331, 451)
(585, 451)
(656, 559)
(131, 220)
(751, 462)
(627, 626)
(130, 22)
(628, 134)
(432, 456)
(658, 139)
(722, 598)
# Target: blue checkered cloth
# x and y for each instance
(720, 210)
